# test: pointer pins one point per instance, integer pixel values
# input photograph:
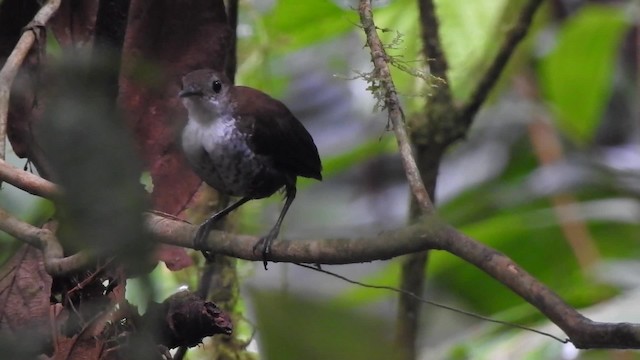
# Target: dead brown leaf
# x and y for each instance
(25, 290)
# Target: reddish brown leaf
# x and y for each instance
(175, 258)
(82, 348)
(74, 23)
(165, 40)
(25, 288)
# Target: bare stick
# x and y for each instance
(33, 184)
(434, 53)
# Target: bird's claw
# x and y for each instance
(265, 244)
(200, 240)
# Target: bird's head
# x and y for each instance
(206, 94)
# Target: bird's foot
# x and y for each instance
(199, 241)
(265, 245)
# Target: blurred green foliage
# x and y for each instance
(293, 327)
(577, 74)
(287, 23)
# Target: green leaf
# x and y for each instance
(467, 30)
(400, 33)
(576, 76)
(294, 24)
(297, 328)
(365, 151)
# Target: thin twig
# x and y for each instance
(13, 63)
(392, 104)
(433, 303)
(434, 52)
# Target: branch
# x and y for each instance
(13, 63)
(396, 116)
(433, 51)
(55, 262)
(427, 135)
(492, 74)
(424, 235)
(27, 181)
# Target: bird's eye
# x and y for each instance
(216, 86)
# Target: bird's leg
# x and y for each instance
(207, 226)
(266, 241)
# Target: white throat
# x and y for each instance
(206, 112)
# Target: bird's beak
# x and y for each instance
(189, 92)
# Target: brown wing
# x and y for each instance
(275, 132)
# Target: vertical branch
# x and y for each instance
(434, 54)
(231, 60)
(429, 149)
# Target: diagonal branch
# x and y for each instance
(392, 104)
(513, 37)
(13, 63)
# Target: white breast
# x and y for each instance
(219, 154)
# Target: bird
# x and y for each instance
(244, 143)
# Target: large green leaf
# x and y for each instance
(467, 30)
(576, 76)
(358, 154)
(294, 24)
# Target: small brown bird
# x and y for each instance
(244, 143)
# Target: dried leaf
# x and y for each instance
(25, 289)
(184, 319)
(80, 348)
